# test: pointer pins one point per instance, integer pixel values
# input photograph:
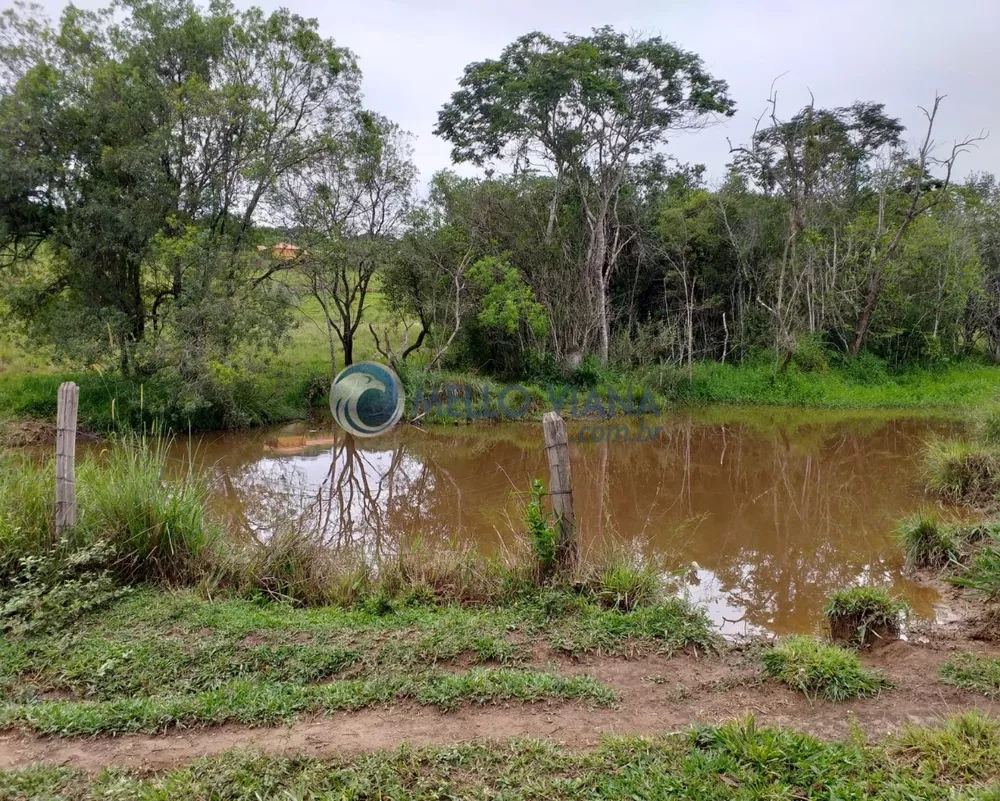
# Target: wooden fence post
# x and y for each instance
(561, 489)
(69, 398)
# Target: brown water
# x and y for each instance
(765, 511)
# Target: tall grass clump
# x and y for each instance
(962, 471)
(157, 525)
(862, 616)
(927, 542)
(619, 580)
(821, 670)
(27, 491)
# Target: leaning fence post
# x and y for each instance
(561, 489)
(69, 397)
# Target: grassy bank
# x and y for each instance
(281, 390)
(155, 660)
(958, 760)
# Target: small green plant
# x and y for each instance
(860, 616)
(821, 670)
(927, 542)
(966, 747)
(541, 531)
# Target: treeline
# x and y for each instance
(151, 163)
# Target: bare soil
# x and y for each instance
(35, 433)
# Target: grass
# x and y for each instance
(973, 672)
(859, 616)
(821, 670)
(928, 542)
(260, 704)
(962, 471)
(737, 760)
(862, 383)
(155, 659)
(155, 527)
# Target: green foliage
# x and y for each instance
(507, 302)
(973, 672)
(860, 615)
(541, 531)
(157, 526)
(155, 644)
(988, 425)
(151, 526)
(983, 574)
(821, 670)
(147, 263)
(258, 704)
(965, 749)
(27, 527)
(53, 590)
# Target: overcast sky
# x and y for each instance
(898, 52)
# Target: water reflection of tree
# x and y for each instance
(369, 495)
(787, 521)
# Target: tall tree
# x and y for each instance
(348, 207)
(586, 107)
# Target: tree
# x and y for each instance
(586, 107)
(141, 151)
(348, 207)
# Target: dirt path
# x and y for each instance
(658, 695)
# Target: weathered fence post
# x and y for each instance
(561, 489)
(69, 398)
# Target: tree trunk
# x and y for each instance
(871, 301)
(348, 348)
(596, 256)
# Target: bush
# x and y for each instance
(810, 355)
(927, 542)
(818, 669)
(541, 531)
(861, 616)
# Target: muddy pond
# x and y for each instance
(763, 511)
